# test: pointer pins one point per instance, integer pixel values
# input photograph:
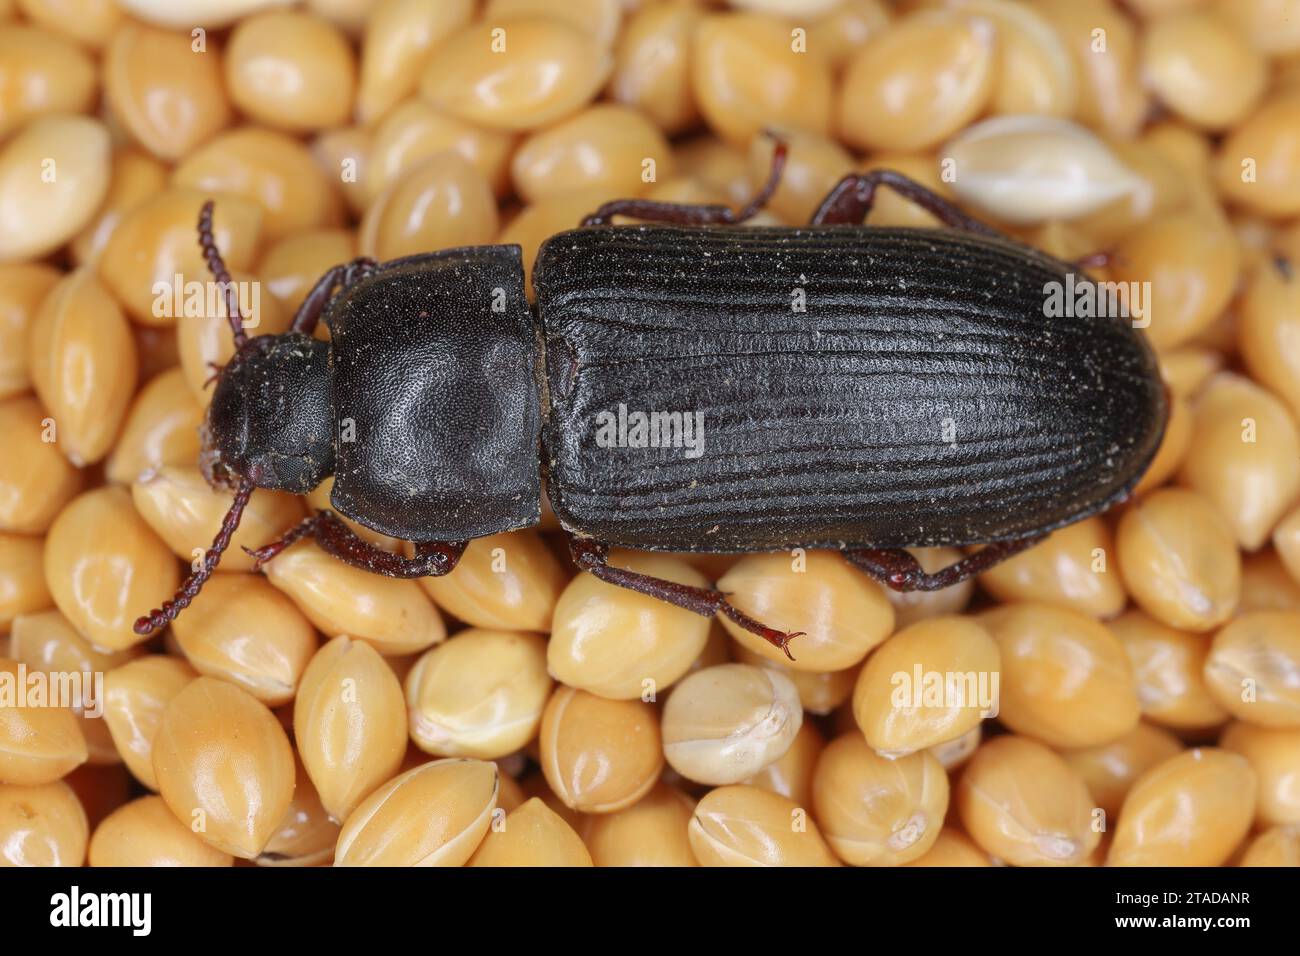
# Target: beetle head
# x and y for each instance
(269, 425)
(270, 420)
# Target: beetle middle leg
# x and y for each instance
(591, 556)
(686, 214)
(853, 197)
(902, 572)
(313, 306)
(432, 558)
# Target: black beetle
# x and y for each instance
(833, 386)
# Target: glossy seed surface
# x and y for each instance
(224, 765)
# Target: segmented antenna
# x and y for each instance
(217, 266)
(193, 583)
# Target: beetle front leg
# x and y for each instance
(902, 572)
(591, 556)
(313, 306)
(853, 197)
(685, 214)
(432, 558)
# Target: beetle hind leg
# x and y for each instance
(590, 556)
(854, 196)
(900, 571)
(685, 214)
(432, 558)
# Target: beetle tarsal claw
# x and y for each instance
(785, 642)
(770, 634)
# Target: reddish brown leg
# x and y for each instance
(852, 198)
(217, 266)
(432, 558)
(193, 583)
(900, 571)
(591, 556)
(313, 307)
(685, 214)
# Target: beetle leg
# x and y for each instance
(686, 214)
(313, 306)
(194, 581)
(851, 201)
(902, 572)
(591, 556)
(432, 558)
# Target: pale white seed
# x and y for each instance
(806, 9)
(191, 13)
(726, 723)
(1029, 169)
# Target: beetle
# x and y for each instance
(860, 388)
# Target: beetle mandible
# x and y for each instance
(922, 396)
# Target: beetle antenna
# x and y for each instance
(193, 583)
(217, 266)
